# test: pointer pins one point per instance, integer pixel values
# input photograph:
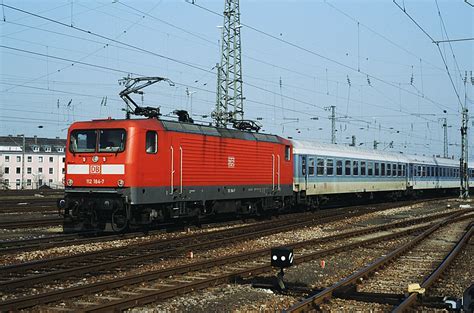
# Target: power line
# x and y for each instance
(437, 45)
(379, 34)
(105, 37)
(299, 47)
(68, 60)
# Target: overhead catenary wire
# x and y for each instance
(143, 50)
(299, 47)
(437, 45)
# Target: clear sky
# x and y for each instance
(384, 75)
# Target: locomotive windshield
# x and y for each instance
(108, 140)
(111, 140)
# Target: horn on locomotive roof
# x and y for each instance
(134, 85)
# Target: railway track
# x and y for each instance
(11, 246)
(119, 257)
(421, 260)
(31, 223)
(25, 205)
(176, 280)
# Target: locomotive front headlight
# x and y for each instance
(120, 182)
(70, 182)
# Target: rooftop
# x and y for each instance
(32, 144)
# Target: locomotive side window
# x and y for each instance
(330, 167)
(151, 142)
(287, 153)
(111, 140)
(338, 167)
(83, 141)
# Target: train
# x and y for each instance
(123, 174)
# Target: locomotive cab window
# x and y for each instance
(83, 141)
(111, 140)
(151, 142)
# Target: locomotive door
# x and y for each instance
(176, 179)
(276, 172)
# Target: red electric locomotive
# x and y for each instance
(134, 172)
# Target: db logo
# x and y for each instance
(231, 162)
(94, 169)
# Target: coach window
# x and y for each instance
(151, 142)
(362, 168)
(404, 172)
(355, 168)
(389, 169)
(287, 153)
(311, 167)
(418, 170)
(370, 168)
(400, 170)
(330, 167)
(348, 168)
(338, 167)
(320, 168)
(382, 169)
(377, 169)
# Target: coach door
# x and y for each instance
(411, 181)
(304, 171)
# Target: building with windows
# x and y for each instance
(31, 162)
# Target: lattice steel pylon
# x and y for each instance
(229, 104)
